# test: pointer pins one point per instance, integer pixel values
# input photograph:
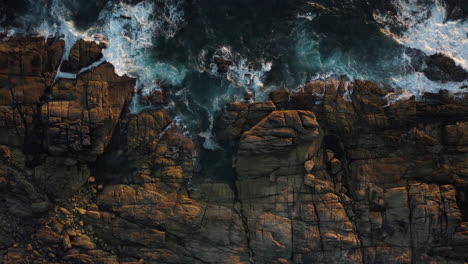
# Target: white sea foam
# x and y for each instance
(68, 75)
(308, 16)
(171, 18)
(128, 30)
(306, 50)
(209, 142)
(398, 95)
(64, 28)
(435, 34)
(428, 30)
(419, 84)
(243, 72)
(61, 25)
(131, 30)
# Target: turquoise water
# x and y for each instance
(272, 45)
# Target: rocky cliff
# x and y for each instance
(331, 173)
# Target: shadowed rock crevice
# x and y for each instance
(329, 173)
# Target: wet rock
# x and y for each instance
(388, 208)
(456, 9)
(280, 98)
(309, 180)
(155, 98)
(48, 236)
(82, 54)
(222, 64)
(392, 190)
(6, 241)
(441, 68)
(58, 179)
(248, 96)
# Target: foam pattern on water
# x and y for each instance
(425, 30)
(435, 34)
(244, 73)
(131, 30)
(428, 30)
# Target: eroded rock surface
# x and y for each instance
(331, 173)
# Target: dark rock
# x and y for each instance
(155, 98)
(5, 241)
(280, 98)
(41, 207)
(222, 64)
(456, 9)
(393, 188)
(441, 68)
(335, 165)
(248, 96)
(82, 54)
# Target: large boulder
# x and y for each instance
(27, 68)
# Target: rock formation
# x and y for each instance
(327, 174)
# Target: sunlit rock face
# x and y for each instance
(366, 186)
(333, 172)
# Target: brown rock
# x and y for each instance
(155, 98)
(28, 67)
(83, 241)
(309, 165)
(82, 54)
(392, 190)
(279, 132)
(73, 116)
(66, 242)
(279, 97)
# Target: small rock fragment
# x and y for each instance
(309, 165)
(81, 211)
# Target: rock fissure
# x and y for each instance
(318, 179)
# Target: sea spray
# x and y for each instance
(241, 72)
(131, 31)
(280, 50)
(425, 27)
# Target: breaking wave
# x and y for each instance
(133, 29)
(129, 30)
(203, 67)
(239, 70)
(428, 29)
(418, 25)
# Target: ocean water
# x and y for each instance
(272, 45)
